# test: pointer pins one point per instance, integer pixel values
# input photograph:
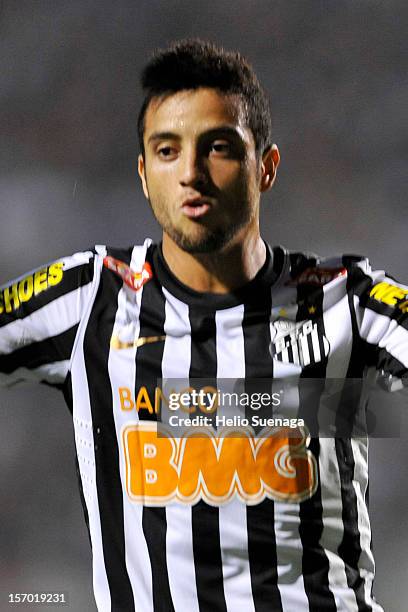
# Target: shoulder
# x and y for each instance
(129, 254)
(372, 286)
(307, 268)
(132, 265)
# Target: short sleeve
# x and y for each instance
(39, 318)
(382, 317)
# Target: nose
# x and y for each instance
(193, 171)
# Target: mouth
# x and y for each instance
(196, 208)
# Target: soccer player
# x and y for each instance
(261, 522)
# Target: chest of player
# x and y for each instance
(160, 337)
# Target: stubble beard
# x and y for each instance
(207, 240)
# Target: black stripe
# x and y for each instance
(155, 528)
(315, 564)
(321, 347)
(109, 488)
(312, 356)
(207, 557)
(392, 312)
(148, 370)
(72, 279)
(360, 282)
(149, 356)
(262, 554)
(299, 262)
(56, 348)
(350, 548)
(390, 364)
(205, 518)
(290, 354)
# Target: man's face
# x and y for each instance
(200, 171)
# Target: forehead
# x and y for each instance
(195, 111)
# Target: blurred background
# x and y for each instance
(69, 97)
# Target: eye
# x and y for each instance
(220, 148)
(166, 152)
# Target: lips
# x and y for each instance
(195, 208)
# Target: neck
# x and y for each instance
(218, 272)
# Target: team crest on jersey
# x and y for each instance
(134, 280)
(317, 276)
(300, 343)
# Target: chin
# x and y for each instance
(211, 242)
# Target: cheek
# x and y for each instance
(228, 175)
(160, 182)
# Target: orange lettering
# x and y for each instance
(151, 474)
(125, 396)
(293, 472)
(143, 400)
(215, 469)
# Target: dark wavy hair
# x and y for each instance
(193, 63)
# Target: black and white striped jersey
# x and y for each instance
(166, 534)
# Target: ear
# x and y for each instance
(270, 163)
(142, 173)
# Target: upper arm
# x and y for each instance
(382, 317)
(39, 317)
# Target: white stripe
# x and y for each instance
(289, 557)
(122, 373)
(380, 276)
(180, 558)
(82, 418)
(285, 355)
(234, 553)
(333, 529)
(289, 548)
(380, 330)
(230, 352)
(52, 319)
(304, 350)
(315, 343)
(373, 325)
(360, 481)
(178, 339)
(179, 536)
(52, 373)
(295, 350)
(395, 341)
(232, 516)
(76, 260)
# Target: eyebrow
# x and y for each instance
(163, 136)
(223, 130)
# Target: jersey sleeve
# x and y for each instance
(39, 318)
(381, 307)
